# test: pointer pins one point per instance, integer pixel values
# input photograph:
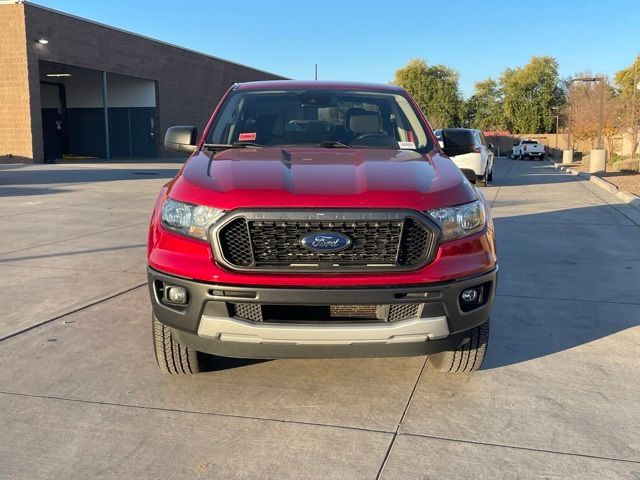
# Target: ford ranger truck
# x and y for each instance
(318, 219)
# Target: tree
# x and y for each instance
(628, 80)
(529, 94)
(582, 108)
(435, 88)
(614, 118)
(484, 108)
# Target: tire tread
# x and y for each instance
(172, 357)
(466, 358)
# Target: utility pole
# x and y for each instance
(316, 71)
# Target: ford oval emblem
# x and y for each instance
(325, 242)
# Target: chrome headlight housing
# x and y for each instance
(188, 219)
(461, 220)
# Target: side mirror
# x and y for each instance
(181, 139)
(490, 146)
(460, 150)
(470, 174)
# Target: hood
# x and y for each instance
(320, 177)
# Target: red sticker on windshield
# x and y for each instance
(247, 137)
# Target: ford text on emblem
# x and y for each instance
(326, 242)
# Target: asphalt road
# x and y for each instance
(81, 396)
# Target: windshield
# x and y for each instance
(327, 118)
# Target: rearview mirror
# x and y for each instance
(181, 139)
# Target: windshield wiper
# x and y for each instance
(334, 144)
(222, 146)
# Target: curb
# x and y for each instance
(626, 197)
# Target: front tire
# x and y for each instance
(173, 357)
(466, 358)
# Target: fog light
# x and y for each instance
(177, 295)
(470, 296)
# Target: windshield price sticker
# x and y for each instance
(247, 137)
(407, 145)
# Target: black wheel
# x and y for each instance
(173, 357)
(468, 357)
(490, 176)
(481, 182)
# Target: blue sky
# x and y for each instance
(369, 40)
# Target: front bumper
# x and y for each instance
(207, 324)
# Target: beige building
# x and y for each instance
(73, 87)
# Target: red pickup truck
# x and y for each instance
(319, 219)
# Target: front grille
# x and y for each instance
(246, 311)
(236, 244)
(402, 311)
(249, 241)
(415, 240)
(256, 312)
(278, 243)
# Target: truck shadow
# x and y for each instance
(30, 181)
(567, 277)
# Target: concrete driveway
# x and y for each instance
(81, 396)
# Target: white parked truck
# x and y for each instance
(526, 149)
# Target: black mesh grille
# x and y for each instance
(278, 243)
(403, 311)
(248, 311)
(415, 241)
(247, 242)
(235, 243)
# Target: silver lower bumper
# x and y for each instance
(407, 331)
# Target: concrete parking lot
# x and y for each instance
(81, 396)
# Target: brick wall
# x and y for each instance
(15, 114)
(189, 84)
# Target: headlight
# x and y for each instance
(192, 220)
(460, 221)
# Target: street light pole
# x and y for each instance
(634, 113)
(601, 119)
(557, 115)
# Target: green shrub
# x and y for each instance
(628, 165)
(614, 157)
